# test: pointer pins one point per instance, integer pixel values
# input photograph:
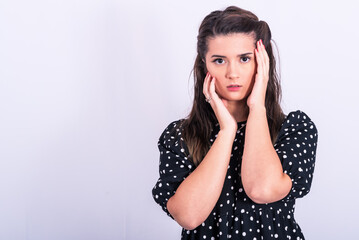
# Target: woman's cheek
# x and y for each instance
(211, 72)
(251, 85)
(219, 89)
(208, 68)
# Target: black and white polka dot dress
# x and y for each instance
(236, 216)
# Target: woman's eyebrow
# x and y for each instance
(239, 55)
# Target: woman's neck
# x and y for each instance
(238, 109)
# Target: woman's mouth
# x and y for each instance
(234, 87)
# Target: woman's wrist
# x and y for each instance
(257, 108)
(228, 132)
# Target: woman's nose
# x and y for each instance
(232, 71)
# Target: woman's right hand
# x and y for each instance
(219, 105)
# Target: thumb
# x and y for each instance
(212, 87)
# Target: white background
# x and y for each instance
(87, 87)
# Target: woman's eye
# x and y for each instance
(245, 59)
(218, 61)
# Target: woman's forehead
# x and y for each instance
(235, 43)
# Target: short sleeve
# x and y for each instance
(296, 147)
(174, 164)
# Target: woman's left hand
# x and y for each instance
(258, 94)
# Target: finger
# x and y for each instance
(259, 60)
(265, 57)
(212, 87)
(261, 50)
(212, 91)
(261, 68)
(258, 53)
(205, 85)
(265, 52)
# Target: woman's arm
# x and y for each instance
(262, 172)
(197, 195)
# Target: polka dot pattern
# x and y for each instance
(236, 216)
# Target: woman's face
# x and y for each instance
(231, 60)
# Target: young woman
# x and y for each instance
(235, 166)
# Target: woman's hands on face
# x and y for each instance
(258, 94)
(219, 105)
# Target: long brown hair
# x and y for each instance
(198, 125)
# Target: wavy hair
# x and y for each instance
(198, 125)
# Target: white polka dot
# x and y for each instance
(297, 141)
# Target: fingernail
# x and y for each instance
(261, 42)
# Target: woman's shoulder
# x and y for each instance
(172, 140)
(173, 132)
(177, 124)
(295, 118)
(297, 123)
(174, 126)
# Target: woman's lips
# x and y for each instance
(234, 87)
